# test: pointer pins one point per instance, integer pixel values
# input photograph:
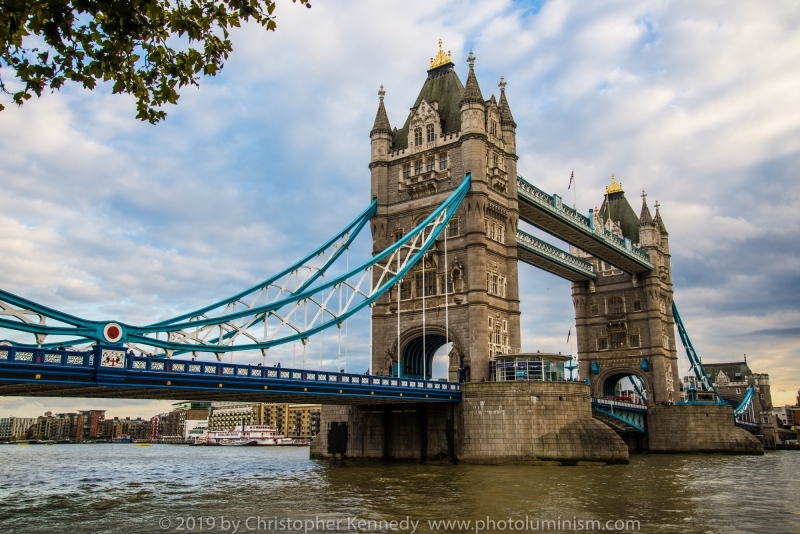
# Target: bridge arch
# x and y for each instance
(608, 379)
(412, 360)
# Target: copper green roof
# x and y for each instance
(443, 86)
(615, 207)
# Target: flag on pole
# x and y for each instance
(568, 333)
(571, 179)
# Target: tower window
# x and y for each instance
(615, 306)
(429, 286)
(601, 344)
(493, 127)
(443, 161)
(617, 340)
(495, 159)
(637, 305)
(418, 167)
(406, 171)
(417, 136)
(634, 339)
(405, 290)
(595, 310)
(430, 133)
(431, 164)
(452, 227)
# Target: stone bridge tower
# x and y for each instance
(624, 322)
(450, 131)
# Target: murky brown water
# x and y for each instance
(124, 488)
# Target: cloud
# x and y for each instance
(106, 217)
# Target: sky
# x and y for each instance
(104, 216)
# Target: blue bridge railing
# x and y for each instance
(115, 364)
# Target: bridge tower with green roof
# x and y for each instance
(451, 130)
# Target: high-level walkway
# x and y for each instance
(549, 213)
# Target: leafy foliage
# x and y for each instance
(130, 42)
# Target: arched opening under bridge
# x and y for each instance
(625, 384)
(413, 360)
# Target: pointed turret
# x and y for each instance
(648, 235)
(506, 118)
(472, 91)
(381, 118)
(659, 222)
(645, 219)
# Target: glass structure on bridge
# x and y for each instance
(542, 367)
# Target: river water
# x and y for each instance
(170, 488)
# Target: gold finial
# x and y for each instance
(441, 58)
(614, 187)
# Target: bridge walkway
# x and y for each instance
(549, 213)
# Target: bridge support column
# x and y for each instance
(412, 432)
(532, 422)
(698, 428)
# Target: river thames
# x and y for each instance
(168, 488)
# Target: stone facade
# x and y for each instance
(698, 428)
(624, 322)
(450, 131)
(528, 422)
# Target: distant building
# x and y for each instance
(61, 426)
(290, 420)
(15, 427)
(118, 428)
(187, 416)
(93, 423)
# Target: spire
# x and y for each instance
(659, 222)
(472, 92)
(505, 110)
(381, 119)
(645, 218)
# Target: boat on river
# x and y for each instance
(246, 435)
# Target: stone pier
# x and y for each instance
(497, 423)
(698, 428)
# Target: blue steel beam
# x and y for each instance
(633, 415)
(248, 328)
(550, 214)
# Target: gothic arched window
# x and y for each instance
(417, 136)
(615, 306)
(430, 131)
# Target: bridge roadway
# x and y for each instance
(549, 213)
(109, 372)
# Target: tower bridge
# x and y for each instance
(446, 201)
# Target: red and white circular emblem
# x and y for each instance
(112, 332)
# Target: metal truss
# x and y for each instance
(699, 371)
(640, 386)
(633, 415)
(744, 414)
(264, 315)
